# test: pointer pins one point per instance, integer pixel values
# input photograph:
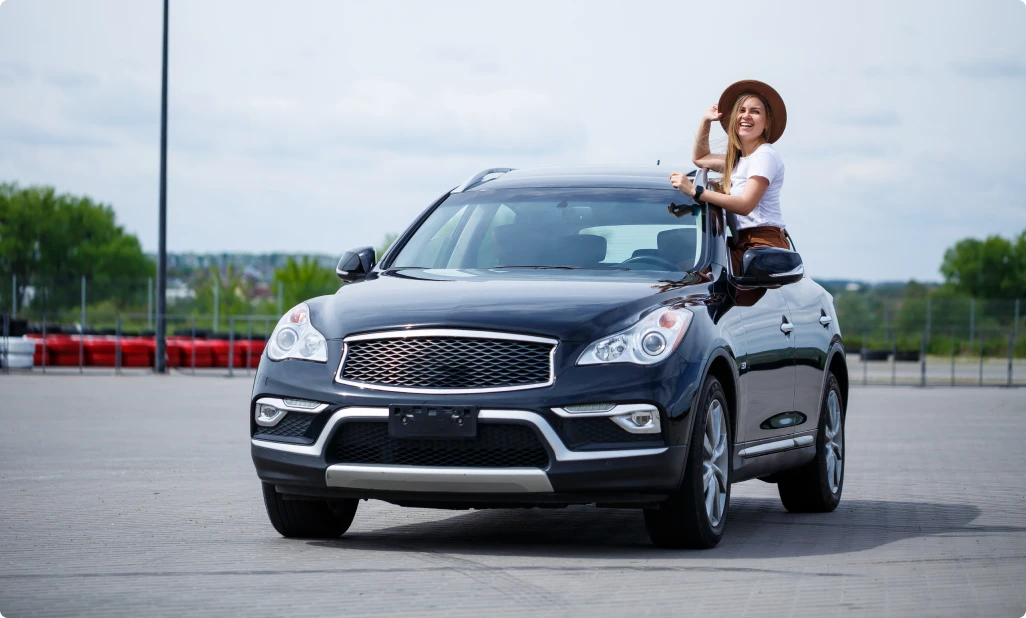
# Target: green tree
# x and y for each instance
(305, 279)
(48, 241)
(991, 268)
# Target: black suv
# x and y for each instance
(552, 337)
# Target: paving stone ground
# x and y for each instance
(132, 496)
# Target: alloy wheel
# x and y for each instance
(714, 462)
(834, 443)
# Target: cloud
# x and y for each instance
(38, 136)
(872, 119)
(992, 68)
(391, 115)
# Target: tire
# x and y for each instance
(313, 519)
(684, 521)
(816, 487)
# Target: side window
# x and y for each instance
(486, 254)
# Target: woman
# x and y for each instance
(753, 172)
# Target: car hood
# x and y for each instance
(571, 306)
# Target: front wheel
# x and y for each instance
(313, 519)
(695, 515)
(816, 486)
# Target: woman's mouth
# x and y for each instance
(746, 125)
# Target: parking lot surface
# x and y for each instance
(129, 496)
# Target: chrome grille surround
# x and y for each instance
(446, 334)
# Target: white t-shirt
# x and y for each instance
(767, 163)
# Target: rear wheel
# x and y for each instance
(816, 486)
(313, 519)
(695, 515)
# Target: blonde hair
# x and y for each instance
(734, 140)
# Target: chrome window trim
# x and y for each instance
(447, 332)
(616, 410)
(549, 434)
(279, 403)
(424, 478)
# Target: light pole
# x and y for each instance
(162, 234)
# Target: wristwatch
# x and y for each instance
(698, 193)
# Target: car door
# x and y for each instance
(768, 365)
(811, 338)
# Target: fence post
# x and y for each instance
(7, 344)
(922, 358)
(952, 356)
(82, 328)
(117, 347)
(929, 314)
(193, 345)
(1015, 324)
(44, 342)
(887, 320)
(149, 304)
(281, 298)
(231, 346)
(1011, 350)
(14, 296)
(249, 344)
(972, 322)
(865, 371)
(894, 359)
(217, 301)
(981, 364)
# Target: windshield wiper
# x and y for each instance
(567, 267)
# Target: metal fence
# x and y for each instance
(933, 340)
(925, 340)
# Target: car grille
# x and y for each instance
(439, 362)
(292, 426)
(495, 446)
(600, 432)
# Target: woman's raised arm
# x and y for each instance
(700, 154)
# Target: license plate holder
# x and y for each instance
(432, 421)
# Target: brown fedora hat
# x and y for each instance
(750, 86)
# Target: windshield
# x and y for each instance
(623, 229)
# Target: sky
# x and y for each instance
(321, 126)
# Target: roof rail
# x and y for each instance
(479, 177)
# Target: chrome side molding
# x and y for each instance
(777, 446)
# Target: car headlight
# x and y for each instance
(651, 340)
(295, 337)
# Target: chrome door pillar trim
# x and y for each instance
(422, 478)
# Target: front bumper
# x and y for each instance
(627, 474)
(624, 475)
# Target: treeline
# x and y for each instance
(49, 241)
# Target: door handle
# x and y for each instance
(825, 320)
(786, 328)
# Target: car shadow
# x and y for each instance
(756, 528)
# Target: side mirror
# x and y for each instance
(770, 267)
(355, 264)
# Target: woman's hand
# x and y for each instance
(712, 114)
(682, 184)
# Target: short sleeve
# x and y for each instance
(766, 164)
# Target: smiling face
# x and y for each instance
(751, 119)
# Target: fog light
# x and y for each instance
(306, 404)
(268, 415)
(590, 407)
(645, 420)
